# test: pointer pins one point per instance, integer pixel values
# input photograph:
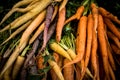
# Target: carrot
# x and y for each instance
(41, 27)
(63, 4)
(21, 3)
(7, 73)
(48, 20)
(16, 32)
(13, 57)
(32, 26)
(57, 48)
(103, 45)
(112, 75)
(68, 70)
(115, 49)
(80, 40)
(60, 24)
(56, 68)
(109, 15)
(113, 38)
(29, 15)
(22, 10)
(89, 42)
(18, 63)
(77, 15)
(112, 27)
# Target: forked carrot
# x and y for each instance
(112, 27)
(109, 15)
(60, 24)
(77, 15)
(103, 45)
(80, 40)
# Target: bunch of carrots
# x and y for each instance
(43, 43)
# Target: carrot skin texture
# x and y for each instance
(103, 45)
(60, 24)
(80, 40)
(112, 27)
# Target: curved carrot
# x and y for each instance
(77, 15)
(60, 24)
(80, 40)
(103, 45)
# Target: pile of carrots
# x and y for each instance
(43, 43)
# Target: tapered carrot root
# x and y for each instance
(115, 49)
(103, 45)
(109, 15)
(112, 27)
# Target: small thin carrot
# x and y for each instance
(114, 38)
(77, 15)
(103, 45)
(115, 49)
(109, 15)
(60, 24)
(68, 70)
(80, 40)
(112, 27)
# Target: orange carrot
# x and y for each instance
(89, 42)
(115, 49)
(109, 15)
(103, 45)
(60, 24)
(77, 15)
(68, 71)
(114, 38)
(80, 40)
(112, 27)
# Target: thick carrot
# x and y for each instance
(89, 42)
(32, 26)
(114, 38)
(56, 68)
(77, 15)
(112, 27)
(18, 64)
(68, 70)
(103, 45)
(40, 62)
(60, 24)
(109, 15)
(29, 15)
(13, 57)
(115, 49)
(80, 40)
(17, 32)
(57, 48)
(41, 27)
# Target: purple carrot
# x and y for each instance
(48, 19)
(50, 33)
